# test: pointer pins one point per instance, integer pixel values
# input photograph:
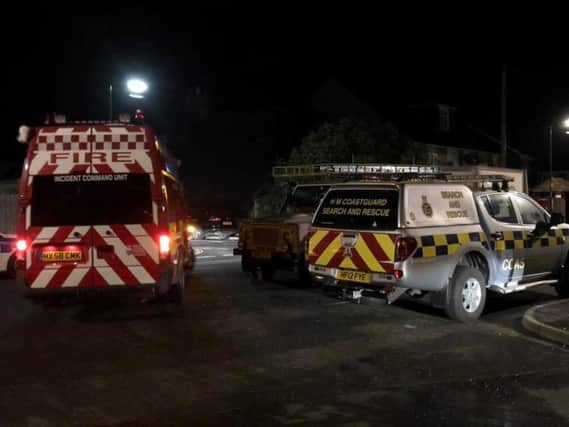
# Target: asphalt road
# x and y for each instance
(251, 353)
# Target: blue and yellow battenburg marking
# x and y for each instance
(447, 244)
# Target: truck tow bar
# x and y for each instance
(354, 295)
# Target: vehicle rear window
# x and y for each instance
(373, 209)
(91, 200)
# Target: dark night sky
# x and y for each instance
(261, 59)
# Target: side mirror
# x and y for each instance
(24, 134)
(556, 219)
(540, 229)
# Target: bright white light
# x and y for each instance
(136, 95)
(136, 86)
(566, 123)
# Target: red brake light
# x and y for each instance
(164, 244)
(404, 248)
(21, 245)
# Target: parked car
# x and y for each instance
(8, 254)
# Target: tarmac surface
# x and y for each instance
(246, 352)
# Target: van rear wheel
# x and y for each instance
(466, 294)
(178, 290)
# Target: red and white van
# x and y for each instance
(98, 208)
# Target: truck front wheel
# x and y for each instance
(466, 294)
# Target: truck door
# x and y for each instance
(507, 236)
(546, 250)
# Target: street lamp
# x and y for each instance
(136, 88)
(565, 125)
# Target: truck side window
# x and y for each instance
(531, 214)
(500, 207)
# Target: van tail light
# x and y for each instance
(404, 248)
(21, 247)
(164, 246)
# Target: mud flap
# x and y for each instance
(394, 294)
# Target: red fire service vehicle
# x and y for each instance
(100, 208)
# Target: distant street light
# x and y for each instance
(565, 125)
(136, 88)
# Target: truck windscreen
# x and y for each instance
(373, 209)
(91, 200)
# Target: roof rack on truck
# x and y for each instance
(388, 172)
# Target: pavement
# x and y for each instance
(247, 352)
(549, 321)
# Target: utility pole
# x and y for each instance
(110, 102)
(503, 118)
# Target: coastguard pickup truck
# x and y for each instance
(455, 238)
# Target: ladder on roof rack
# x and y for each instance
(351, 169)
(386, 172)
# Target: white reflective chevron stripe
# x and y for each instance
(110, 276)
(75, 277)
(147, 242)
(44, 277)
(46, 233)
(141, 274)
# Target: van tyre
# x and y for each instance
(466, 294)
(246, 264)
(178, 290)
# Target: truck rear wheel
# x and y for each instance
(466, 294)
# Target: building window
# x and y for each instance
(432, 158)
(444, 118)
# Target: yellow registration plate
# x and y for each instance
(59, 256)
(353, 276)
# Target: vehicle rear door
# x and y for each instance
(56, 226)
(124, 214)
(356, 231)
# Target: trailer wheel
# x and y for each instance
(267, 272)
(466, 294)
(246, 264)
